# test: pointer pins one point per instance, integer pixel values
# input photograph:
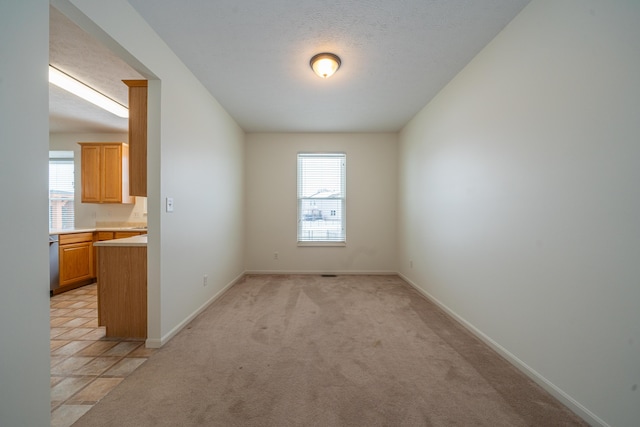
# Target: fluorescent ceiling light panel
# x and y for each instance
(85, 92)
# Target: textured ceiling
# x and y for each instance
(253, 56)
(74, 52)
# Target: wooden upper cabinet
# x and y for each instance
(105, 172)
(91, 181)
(137, 137)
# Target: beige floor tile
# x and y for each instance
(78, 364)
(95, 334)
(70, 365)
(54, 344)
(96, 348)
(75, 322)
(63, 304)
(74, 333)
(122, 348)
(125, 367)
(97, 366)
(68, 387)
(59, 321)
(93, 323)
(56, 312)
(95, 391)
(66, 415)
(83, 312)
(78, 304)
(55, 404)
(56, 332)
(56, 360)
(71, 348)
(142, 351)
(55, 380)
(71, 297)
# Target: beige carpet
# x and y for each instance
(326, 351)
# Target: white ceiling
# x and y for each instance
(74, 52)
(253, 56)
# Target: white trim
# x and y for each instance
(155, 343)
(556, 392)
(315, 273)
(316, 243)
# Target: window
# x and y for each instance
(321, 198)
(61, 190)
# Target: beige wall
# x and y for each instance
(195, 155)
(519, 201)
(24, 273)
(271, 206)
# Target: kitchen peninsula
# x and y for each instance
(122, 286)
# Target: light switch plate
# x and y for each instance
(169, 204)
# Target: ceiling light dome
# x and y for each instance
(325, 64)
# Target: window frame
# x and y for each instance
(62, 157)
(342, 239)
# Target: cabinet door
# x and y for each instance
(124, 234)
(112, 173)
(76, 262)
(137, 137)
(104, 235)
(91, 173)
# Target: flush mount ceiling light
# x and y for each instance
(325, 64)
(85, 92)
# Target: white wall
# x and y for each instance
(87, 215)
(24, 273)
(271, 207)
(195, 153)
(520, 202)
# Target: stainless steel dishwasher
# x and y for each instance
(54, 273)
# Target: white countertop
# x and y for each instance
(127, 241)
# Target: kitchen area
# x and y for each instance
(98, 266)
(97, 219)
(107, 179)
(101, 255)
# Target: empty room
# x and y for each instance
(438, 228)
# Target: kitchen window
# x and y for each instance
(61, 190)
(321, 199)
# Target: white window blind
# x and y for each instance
(321, 198)
(61, 190)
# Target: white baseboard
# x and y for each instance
(314, 272)
(556, 392)
(157, 343)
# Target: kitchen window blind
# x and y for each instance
(61, 190)
(321, 198)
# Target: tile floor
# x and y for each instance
(85, 365)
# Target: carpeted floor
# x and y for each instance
(326, 351)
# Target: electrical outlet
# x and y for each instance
(275, 255)
(205, 279)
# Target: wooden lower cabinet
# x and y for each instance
(78, 257)
(122, 291)
(76, 260)
(100, 236)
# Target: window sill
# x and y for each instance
(330, 244)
